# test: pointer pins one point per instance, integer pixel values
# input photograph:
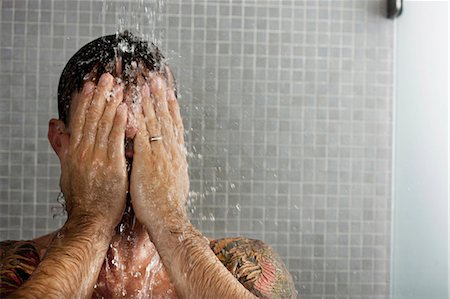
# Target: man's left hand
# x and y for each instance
(159, 182)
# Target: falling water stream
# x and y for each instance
(142, 18)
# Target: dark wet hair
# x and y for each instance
(100, 55)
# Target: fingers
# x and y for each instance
(152, 125)
(118, 66)
(77, 119)
(95, 110)
(158, 90)
(151, 122)
(106, 122)
(174, 108)
(142, 143)
(116, 140)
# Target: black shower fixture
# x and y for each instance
(394, 8)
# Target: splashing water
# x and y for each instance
(141, 17)
(151, 271)
(59, 211)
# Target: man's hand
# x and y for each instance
(159, 186)
(159, 178)
(93, 167)
(94, 183)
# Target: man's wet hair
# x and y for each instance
(100, 56)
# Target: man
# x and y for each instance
(125, 182)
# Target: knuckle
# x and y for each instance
(119, 118)
(167, 124)
(97, 162)
(93, 111)
(153, 125)
(87, 141)
(103, 125)
(81, 155)
(114, 135)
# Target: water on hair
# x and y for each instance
(142, 19)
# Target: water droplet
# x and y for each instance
(232, 186)
(115, 262)
(238, 207)
(108, 95)
(211, 217)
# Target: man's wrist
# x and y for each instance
(169, 239)
(163, 221)
(87, 224)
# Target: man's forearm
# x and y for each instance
(193, 268)
(72, 263)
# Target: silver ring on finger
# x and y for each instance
(156, 138)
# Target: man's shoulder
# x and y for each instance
(256, 265)
(18, 260)
(16, 247)
(39, 245)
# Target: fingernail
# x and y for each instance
(105, 79)
(88, 88)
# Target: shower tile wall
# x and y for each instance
(288, 113)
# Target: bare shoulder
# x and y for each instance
(9, 248)
(256, 265)
(18, 260)
(16, 247)
(43, 243)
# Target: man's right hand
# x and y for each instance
(94, 182)
(93, 167)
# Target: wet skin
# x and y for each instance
(127, 232)
(95, 184)
(132, 265)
